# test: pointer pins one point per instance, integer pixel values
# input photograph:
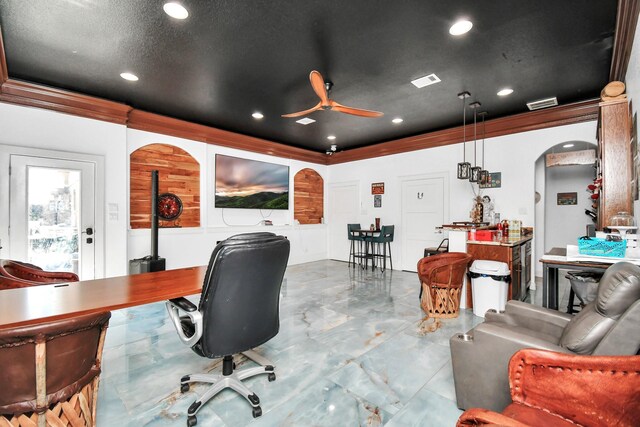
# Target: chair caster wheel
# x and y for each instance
(256, 411)
(191, 421)
(184, 388)
(272, 377)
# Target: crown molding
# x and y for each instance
(626, 22)
(33, 95)
(557, 116)
(4, 73)
(151, 122)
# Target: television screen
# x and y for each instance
(250, 184)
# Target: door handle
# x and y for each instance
(89, 232)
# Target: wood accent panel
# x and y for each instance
(32, 95)
(581, 157)
(46, 303)
(615, 161)
(4, 73)
(557, 116)
(168, 126)
(178, 173)
(626, 22)
(308, 188)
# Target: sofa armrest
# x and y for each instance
(529, 316)
(577, 387)
(481, 417)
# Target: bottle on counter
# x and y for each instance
(505, 228)
(500, 231)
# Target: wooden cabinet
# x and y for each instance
(517, 257)
(614, 161)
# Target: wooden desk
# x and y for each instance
(550, 274)
(37, 304)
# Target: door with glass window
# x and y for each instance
(52, 214)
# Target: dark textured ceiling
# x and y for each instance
(230, 58)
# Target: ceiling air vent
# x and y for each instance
(542, 103)
(425, 81)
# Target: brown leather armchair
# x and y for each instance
(441, 283)
(51, 371)
(30, 273)
(554, 389)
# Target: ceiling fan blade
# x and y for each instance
(354, 111)
(317, 83)
(305, 112)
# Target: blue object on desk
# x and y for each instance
(601, 247)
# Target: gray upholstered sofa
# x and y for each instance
(608, 326)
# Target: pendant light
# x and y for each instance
(474, 175)
(484, 174)
(464, 166)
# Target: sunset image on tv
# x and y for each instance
(250, 184)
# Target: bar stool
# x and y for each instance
(353, 238)
(385, 238)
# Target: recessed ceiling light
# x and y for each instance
(331, 137)
(175, 10)
(397, 120)
(257, 115)
(425, 81)
(460, 27)
(504, 92)
(567, 146)
(129, 76)
(305, 121)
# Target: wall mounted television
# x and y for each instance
(250, 184)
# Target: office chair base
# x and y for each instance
(228, 379)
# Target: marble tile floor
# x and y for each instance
(349, 353)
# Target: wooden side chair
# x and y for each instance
(50, 372)
(31, 273)
(441, 279)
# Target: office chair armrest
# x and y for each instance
(184, 304)
(174, 307)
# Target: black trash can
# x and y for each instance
(584, 285)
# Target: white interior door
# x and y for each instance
(52, 214)
(343, 209)
(424, 207)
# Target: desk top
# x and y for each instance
(37, 304)
(559, 256)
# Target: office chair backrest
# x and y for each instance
(618, 291)
(241, 293)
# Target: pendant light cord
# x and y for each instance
(483, 133)
(464, 128)
(475, 147)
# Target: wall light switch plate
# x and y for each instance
(522, 211)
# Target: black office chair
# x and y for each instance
(238, 311)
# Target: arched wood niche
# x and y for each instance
(178, 173)
(308, 196)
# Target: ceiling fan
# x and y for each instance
(322, 89)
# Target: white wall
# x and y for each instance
(513, 155)
(43, 129)
(540, 220)
(192, 246)
(564, 224)
(632, 80)
(48, 130)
